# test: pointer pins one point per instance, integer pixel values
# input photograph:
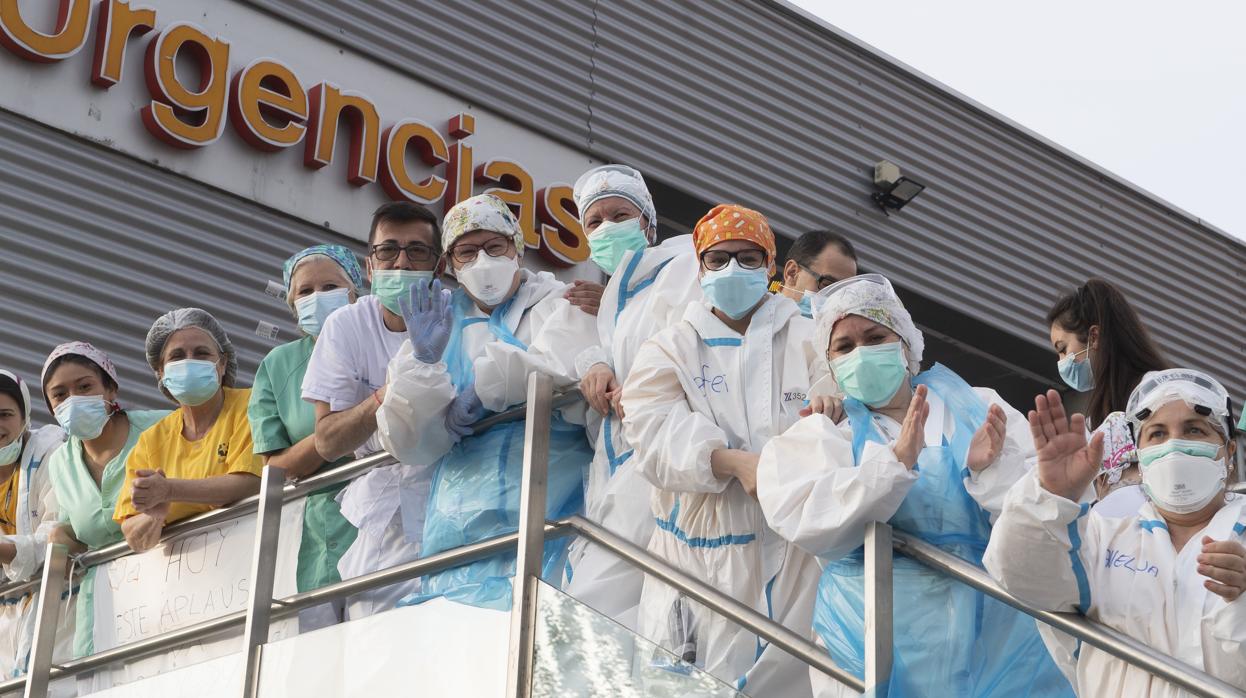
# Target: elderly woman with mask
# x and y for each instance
(201, 455)
(81, 389)
(650, 286)
(319, 280)
(1173, 574)
(470, 353)
(928, 454)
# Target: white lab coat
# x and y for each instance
(1123, 572)
(696, 387)
(649, 292)
(36, 517)
(814, 495)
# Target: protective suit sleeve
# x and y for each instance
(560, 332)
(672, 442)
(411, 420)
(32, 547)
(989, 486)
(812, 494)
(595, 354)
(1043, 548)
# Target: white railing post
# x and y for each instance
(879, 604)
(263, 572)
(47, 613)
(531, 536)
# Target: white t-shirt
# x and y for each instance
(351, 357)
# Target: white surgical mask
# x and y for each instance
(1182, 476)
(11, 452)
(487, 278)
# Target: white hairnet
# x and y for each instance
(1197, 389)
(611, 181)
(181, 319)
(872, 297)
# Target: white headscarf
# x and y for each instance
(872, 297)
(615, 181)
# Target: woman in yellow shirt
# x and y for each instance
(200, 456)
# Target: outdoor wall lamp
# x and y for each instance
(894, 190)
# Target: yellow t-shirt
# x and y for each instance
(226, 448)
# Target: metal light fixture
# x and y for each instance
(894, 190)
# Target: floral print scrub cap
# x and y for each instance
(481, 212)
(872, 297)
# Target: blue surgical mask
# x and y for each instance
(1077, 374)
(733, 290)
(314, 309)
(389, 285)
(191, 382)
(871, 374)
(11, 452)
(83, 416)
(611, 241)
(805, 303)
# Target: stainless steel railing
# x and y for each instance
(529, 542)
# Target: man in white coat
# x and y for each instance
(702, 399)
(649, 288)
(472, 356)
(1171, 575)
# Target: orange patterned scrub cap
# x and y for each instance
(733, 222)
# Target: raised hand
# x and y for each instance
(1224, 563)
(427, 313)
(597, 385)
(1067, 462)
(913, 432)
(988, 441)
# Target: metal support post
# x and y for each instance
(879, 603)
(531, 536)
(39, 668)
(263, 571)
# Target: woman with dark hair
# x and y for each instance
(1105, 350)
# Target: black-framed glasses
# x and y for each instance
(416, 252)
(495, 247)
(822, 280)
(715, 260)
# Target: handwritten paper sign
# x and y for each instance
(194, 578)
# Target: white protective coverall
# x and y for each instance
(696, 387)
(537, 329)
(1123, 572)
(36, 517)
(817, 495)
(650, 292)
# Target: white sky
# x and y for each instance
(1151, 90)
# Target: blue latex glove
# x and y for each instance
(427, 313)
(465, 410)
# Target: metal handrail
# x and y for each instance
(295, 489)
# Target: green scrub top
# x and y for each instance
(88, 509)
(281, 418)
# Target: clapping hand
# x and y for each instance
(427, 313)
(1224, 562)
(1067, 462)
(988, 441)
(913, 432)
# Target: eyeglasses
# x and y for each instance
(822, 280)
(497, 247)
(714, 260)
(416, 252)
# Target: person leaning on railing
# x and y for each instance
(319, 280)
(200, 456)
(928, 454)
(1171, 575)
(27, 513)
(81, 390)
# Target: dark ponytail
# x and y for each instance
(1125, 351)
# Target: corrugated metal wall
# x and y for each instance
(97, 245)
(751, 102)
